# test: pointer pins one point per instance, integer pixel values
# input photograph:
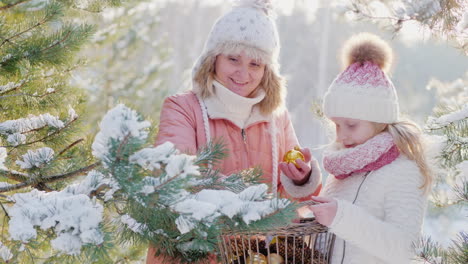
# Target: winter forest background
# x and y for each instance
(142, 51)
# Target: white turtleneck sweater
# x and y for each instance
(242, 111)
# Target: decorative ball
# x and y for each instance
(275, 258)
(257, 258)
(292, 155)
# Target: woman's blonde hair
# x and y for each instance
(408, 138)
(272, 82)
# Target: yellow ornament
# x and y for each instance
(275, 259)
(257, 258)
(292, 155)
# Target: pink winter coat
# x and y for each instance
(181, 122)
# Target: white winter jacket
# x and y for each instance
(379, 215)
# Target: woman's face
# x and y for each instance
(352, 132)
(239, 73)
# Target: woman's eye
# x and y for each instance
(232, 59)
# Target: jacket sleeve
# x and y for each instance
(312, 187)
(177, 125)
(390, 239)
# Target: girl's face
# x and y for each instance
(239, 73)
(352, 132)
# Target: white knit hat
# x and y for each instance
(364, 91)
(249, 24)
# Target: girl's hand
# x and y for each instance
(324, 212)
(298, 175)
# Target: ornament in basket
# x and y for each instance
(307, 242)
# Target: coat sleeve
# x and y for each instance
(177, 125)
(390, 239)
(313, 186)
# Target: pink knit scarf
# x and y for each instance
(371, 155)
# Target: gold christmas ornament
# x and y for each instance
(257, 258)
(292, 155)
(275, 259)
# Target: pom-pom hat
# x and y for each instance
(363, 90)
(248, 27)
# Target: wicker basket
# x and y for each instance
(307, 242)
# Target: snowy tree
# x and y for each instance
(445, 19)
(450, 123)
(151, 195)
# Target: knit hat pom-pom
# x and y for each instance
(367, 47)
(266, 6)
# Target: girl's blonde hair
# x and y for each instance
(272, 82)
(408, 138)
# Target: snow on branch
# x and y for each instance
(442, 121)
(36, 159)
(93, 182)
(207, 205)
(32, 122)
(74, 218)
(5, 252)
(421, 9)
(119, 123)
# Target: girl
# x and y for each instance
(238, 96)
(375, 198)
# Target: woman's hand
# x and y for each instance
(298, 175)
(325, 211)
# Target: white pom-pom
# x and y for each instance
(266, 5)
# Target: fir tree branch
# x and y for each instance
(70, 146)
(14, 89)
(58, 42)
(43, 138)
(4, 210)
(14, 175)
(49, 179)
(40, 23)
(2, 8)
(26, 94)
(55, 178)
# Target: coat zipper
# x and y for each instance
(245, 159)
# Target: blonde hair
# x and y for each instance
(408, 138)
(272, 82)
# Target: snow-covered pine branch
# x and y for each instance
(75, 219)
(447, 119)
(118, 124)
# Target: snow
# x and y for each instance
(36, 159)
(462, 168)
(132, 224)
(151, 158)
(10, 86)
(72, 113)
(118, 123)
(16, 139)
(435, 123)
(50, 90)
(74, 218)
(210, 204)
(92, 182)
(30, 123)
(5, 252)
(181, 165)
(3, 155)
(421, 9)
(463, 23)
